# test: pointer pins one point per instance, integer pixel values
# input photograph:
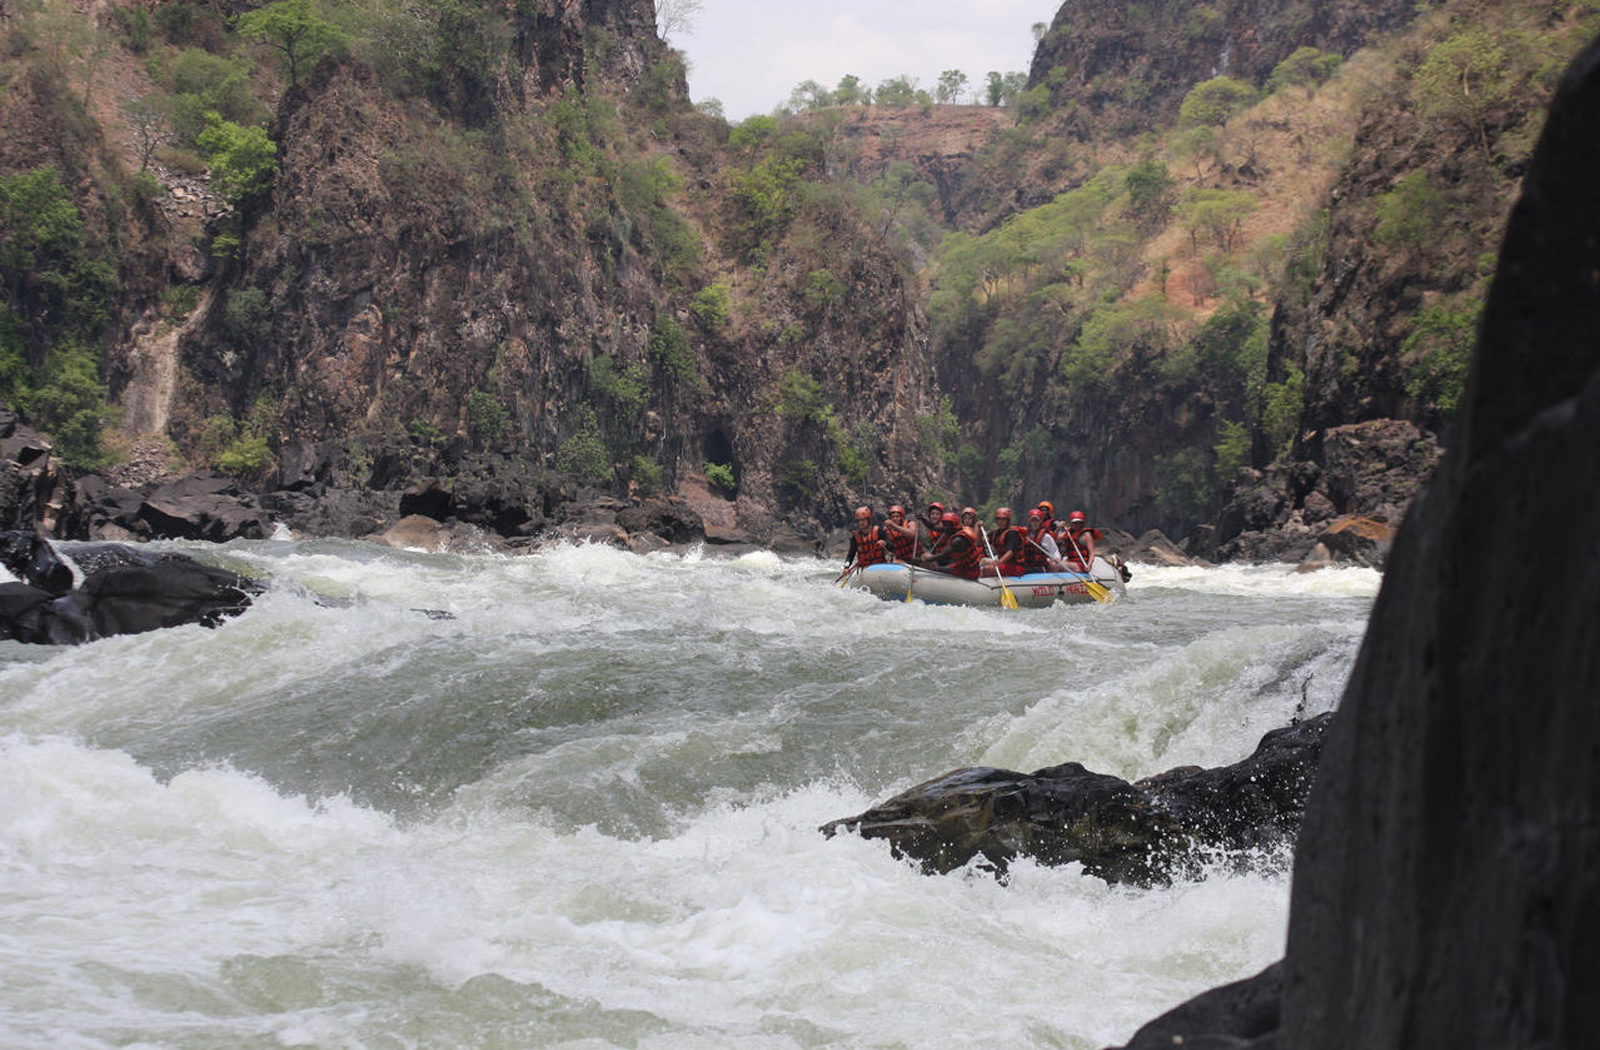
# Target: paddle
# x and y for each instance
(911, 569)
(848, 569)
(1096, 589)
(1007, 599)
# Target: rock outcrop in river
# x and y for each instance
(1141, 833)
(124, 590)
(1447, 877)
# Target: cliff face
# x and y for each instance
(550, 259)
(1445, 880)
(1455, 806)
(1123, 67)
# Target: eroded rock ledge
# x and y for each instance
(1143, 833)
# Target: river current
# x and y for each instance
(581, 810)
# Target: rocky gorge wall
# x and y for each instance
(1447, 875)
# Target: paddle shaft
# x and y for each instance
(1007, 599)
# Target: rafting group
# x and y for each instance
(958, 544)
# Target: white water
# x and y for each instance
(583, 811)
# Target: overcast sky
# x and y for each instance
(751, 53)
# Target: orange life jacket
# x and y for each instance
(869, 546)
(904, 544)
(1074, 544)
(966, 562)
(1034, 559)
(1002, 540)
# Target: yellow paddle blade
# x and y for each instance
(1007, 599)
(1098, 591)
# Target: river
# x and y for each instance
(581, 810)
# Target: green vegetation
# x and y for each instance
(583, 454)
(1215, 101)
(713, 304)
(800, 398)
(671, 351)
(293, 30)
(240, 447)
(1463, 79)
(1438, 353)
(721, 475)
(487, 418)
(1307, 68)
(243, 159)
(56, 304)
(1412, 212)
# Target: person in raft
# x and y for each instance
(1077, 542)
(931, 523)
(1039, 551)
(905, 540)
(867, 546)
(960, 555)
(943, 532)
(1009, 542)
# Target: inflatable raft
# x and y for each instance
(897, 581)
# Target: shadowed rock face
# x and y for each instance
(1447, 876)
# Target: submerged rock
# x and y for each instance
(1139, 833)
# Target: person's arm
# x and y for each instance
(1052, 553)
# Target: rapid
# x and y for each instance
(571, 799)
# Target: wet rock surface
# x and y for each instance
(1141, 833)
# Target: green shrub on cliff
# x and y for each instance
(713, 304)
(583, 453)
(244, 160)
(57, 303)
(1215, 101)
(486, 417)
(1411, 212)
(721, 475)
(671, 350)
(1438, 353)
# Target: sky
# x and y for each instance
(750, 54)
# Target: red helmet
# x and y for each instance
(1035, 513)
(968, 510)
(1077, 516)
(936, 506)
(897, 509)
(1048, 508)
(863, 512)
(950, 519)
(1002, 512)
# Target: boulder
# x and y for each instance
(33, 561)
(671, 518)
(1153, 548)
(1358, 539)
(105, 511)
(203, 506)
(1138, 833)
(412, 532)
(124, 591)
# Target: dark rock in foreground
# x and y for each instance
(124, 591)
(1447, 876)
(1139, 833)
